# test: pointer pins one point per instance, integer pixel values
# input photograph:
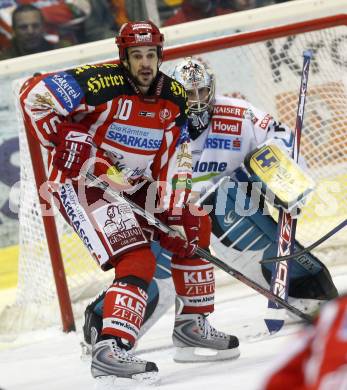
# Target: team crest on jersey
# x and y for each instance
(226, 126)
(40, 105)
(164, 114)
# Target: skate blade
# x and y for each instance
(195, 354)
(138, 381)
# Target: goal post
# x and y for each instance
(51, 232)
(260, 66)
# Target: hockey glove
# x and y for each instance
(185, 240)
(73, 147)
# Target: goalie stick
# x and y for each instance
(307, 249)
(199, 251)
(286, 223)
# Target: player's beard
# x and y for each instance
(145, 77)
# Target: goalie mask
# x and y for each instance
(199, 82)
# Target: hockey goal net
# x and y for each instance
(263, 67)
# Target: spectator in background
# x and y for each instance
(101, 23)
(63, 18)
(196, 9)
(28, 33)
(107, 16)
(120, 12)
(166, 8)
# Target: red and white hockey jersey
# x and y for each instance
(317, 360)
(141, 134)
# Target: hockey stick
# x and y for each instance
(199, 251)
(307, 249)
(286, 224)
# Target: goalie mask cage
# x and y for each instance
(261, 66)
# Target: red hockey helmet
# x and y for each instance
(144, 33)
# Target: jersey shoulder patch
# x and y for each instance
(100, 83)
(65, 88)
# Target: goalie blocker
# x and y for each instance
(241, 236)
(278, 177)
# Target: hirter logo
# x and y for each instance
(225, 126)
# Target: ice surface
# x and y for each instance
(51, 360)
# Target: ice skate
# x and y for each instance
(114, 364)
(197, 341)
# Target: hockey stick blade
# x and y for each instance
(307, 249)
(199, 251)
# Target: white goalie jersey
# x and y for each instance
(235, 129)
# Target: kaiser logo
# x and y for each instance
(164, 114)
(225, 126)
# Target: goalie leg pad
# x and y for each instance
(253, 233)
(318, 286)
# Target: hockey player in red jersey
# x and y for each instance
(317, 359)
(223, 130)
(128, 121)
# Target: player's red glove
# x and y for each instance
(73, 147)
(185, 241)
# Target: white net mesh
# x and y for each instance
(268, 75)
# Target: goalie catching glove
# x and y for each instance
(73, 146)
(184, 241)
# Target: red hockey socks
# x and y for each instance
(124, 310)
(194, 283)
